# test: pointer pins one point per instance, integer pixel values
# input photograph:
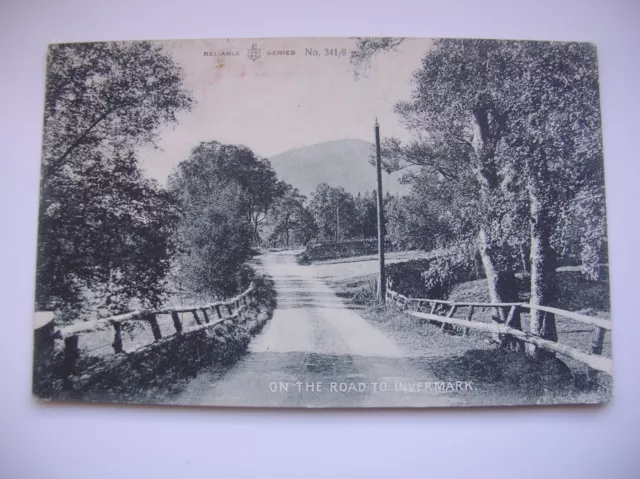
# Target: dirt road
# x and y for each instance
(316, 351)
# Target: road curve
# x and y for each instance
(316, 351)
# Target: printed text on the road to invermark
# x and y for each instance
(350, 387)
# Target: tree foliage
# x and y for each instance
(105, 230)
(477, 110)
(334, 210)
(223, 191)
(367, 47)
(366, 206)
(108, 94)
(506, 146)
(290, 223)
(342, 216)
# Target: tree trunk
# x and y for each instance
(526, 267)
(501, 280)
(287, 232)
(256, 233)
(503, 288)
(476, 267)
(543, 256)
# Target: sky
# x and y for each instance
(280, 102)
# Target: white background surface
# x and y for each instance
(75, 441)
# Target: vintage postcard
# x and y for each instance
(323, 222)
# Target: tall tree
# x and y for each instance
(292, 224)
(255, 177)
(334, 211)
(114, 94)
(103, 228)
(223, 190)
(554, 135)
(521, 120)
(366, 214)
(459, 112)
(108, 231)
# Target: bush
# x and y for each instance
(406, 278)
(366, 294)
(429, 278)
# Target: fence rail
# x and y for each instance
(506, 312)
(205, 316)
(144, 315)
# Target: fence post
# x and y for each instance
(515, 344)
(447, 326)
(598, 340)
(117, 337)
(43, 347)
(195, 316)
(155, 329)
(71, 354)
(176, 322)
(405, 304)
(217, 307)
(206, 316)
(596, 348)
(230, 309)
(419, 309)
(511, 315)
(469, 318)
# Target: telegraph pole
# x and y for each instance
(382, 285)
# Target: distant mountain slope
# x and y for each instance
(338, 163)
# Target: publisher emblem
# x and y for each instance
(253, 53)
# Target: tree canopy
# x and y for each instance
(108, 94)
(290, 223)
(105, 230)
(506, 146)
(224, 193)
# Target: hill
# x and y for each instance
(338, 163)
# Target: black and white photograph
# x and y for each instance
(361, 222)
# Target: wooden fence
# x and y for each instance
(205, 317)
(507, 311)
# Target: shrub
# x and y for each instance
(429, 278)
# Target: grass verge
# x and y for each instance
(500, 377)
